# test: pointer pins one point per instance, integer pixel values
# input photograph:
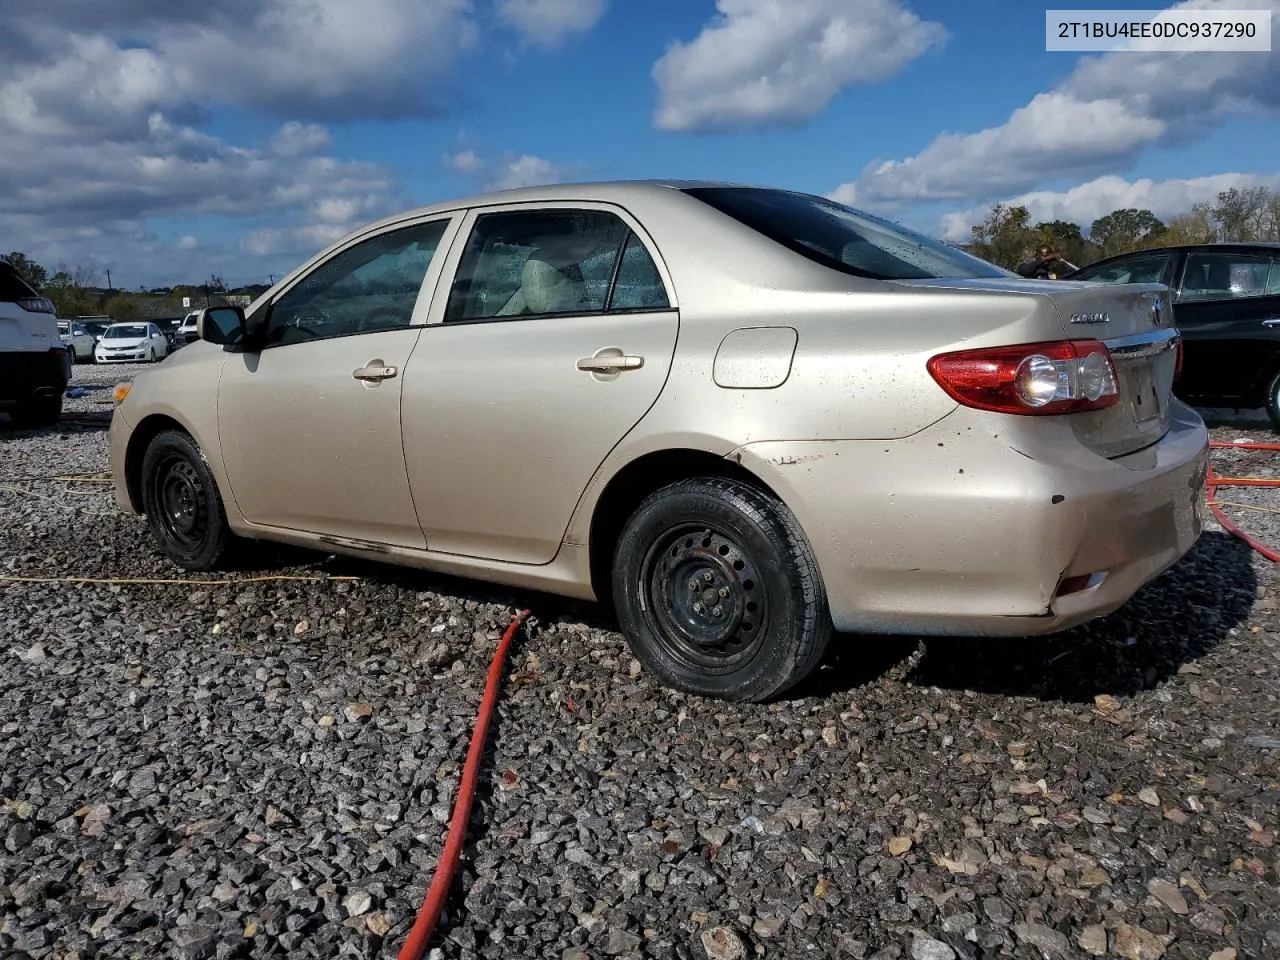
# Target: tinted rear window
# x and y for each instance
(843, 238)
(12, 286)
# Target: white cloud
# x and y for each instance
(510, 172)
(295, 139)
(770, 63)
(547, 22)
(465, 162)
(102, 105)
(1087, 202)
(1099, 119)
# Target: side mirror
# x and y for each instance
(221, 325)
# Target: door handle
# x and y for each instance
(608, 364)
(374, 371)
(1271, 322)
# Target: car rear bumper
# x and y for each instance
(965, 530)
(25, 375)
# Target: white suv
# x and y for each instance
(33, 359)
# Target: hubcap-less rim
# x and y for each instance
(180, 501)
(703, 595)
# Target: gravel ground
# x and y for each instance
(266, 769)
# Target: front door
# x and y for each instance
(1228, 311)
(310, 425)
(555, 339)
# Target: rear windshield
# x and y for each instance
(132, 332)
(842, 238)
(12, 286)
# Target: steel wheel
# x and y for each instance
(180, 495)
(182, 503)
(704, 596)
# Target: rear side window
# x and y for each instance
(12, 287)
(536, 263)
(843, 238)
(1225, 276)
(639, 285)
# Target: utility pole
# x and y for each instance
(109, 287)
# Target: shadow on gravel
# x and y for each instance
(1175, 620)
(1238, 419)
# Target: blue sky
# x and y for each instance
(169, 139)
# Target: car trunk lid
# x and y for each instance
(1135, 322)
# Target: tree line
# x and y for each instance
(1008, 237)
(77, 292)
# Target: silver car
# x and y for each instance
(744, 417)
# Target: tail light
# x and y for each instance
(37, 305)
(1067, 376)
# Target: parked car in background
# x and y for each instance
(33, 359)
(187, 332)
(78, 339)
(132, 343)
(1226, 303)
(743, 416)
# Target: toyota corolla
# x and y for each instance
(744, 417)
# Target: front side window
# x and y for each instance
(536, 263)
(1149, 269)
(842, 238)
(1225, 276)
(370, 287)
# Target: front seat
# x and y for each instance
(544, 289)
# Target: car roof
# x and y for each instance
(601, 191)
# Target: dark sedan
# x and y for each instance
(1227, 307)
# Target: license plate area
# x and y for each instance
(1140, 387)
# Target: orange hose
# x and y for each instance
(420, 935)
(1213, 482)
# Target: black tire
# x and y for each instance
(38, 411)
(151, 355)
(183, 507)
(768, 624)
(1273, 401)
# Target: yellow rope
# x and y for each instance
(1242, 506)
(206, 583)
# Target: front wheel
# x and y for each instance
(182, 504)
(151, 355)
(718, 592)
(1273, 401)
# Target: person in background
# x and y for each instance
(1048, 265)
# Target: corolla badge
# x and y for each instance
(1091, 318)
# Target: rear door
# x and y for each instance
(551, 337)
(1228, 309)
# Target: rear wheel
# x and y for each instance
(718, 592)
(182, 504)
(38, 411)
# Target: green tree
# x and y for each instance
(1124, 230)
(1194, 227)
(1065, 238)
(1005, 237)
(28, 269)
(1243, 214)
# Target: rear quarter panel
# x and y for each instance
(861, 346)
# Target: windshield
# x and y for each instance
(132, 332)
(842, 238)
